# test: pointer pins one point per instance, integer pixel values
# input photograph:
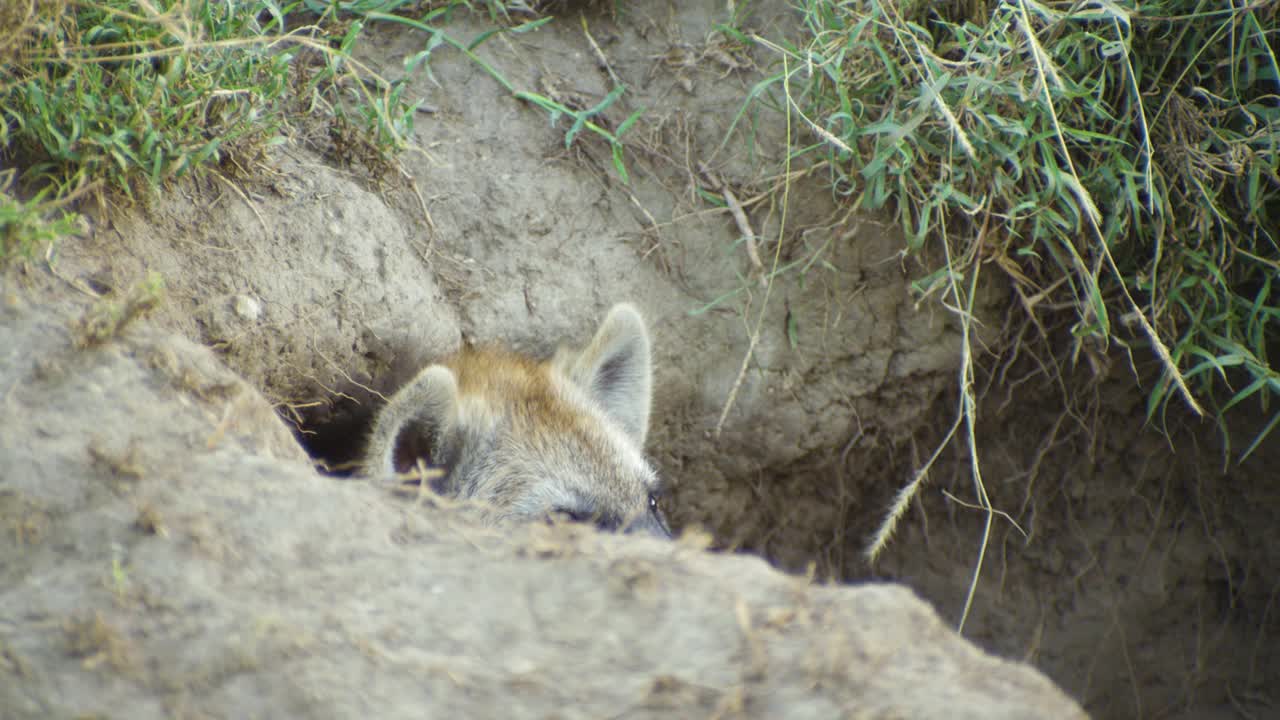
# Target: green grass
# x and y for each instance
(113, 96)
(117, 92)
(1122, 164)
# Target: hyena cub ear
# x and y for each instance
(615, 370)
(419, 422)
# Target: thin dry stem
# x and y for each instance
(739, 218)
(777, 258)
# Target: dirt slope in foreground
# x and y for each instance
(177, 557)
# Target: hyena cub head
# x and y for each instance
(531, 439)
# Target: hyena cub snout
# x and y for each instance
(534, 439)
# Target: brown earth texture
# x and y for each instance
(178, 538)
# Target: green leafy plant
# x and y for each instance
(27, 227)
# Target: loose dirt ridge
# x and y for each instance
(177, 557)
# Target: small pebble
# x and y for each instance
(247, 308)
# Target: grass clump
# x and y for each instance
(1116, 160)
(109, 96)
(106, 95)
(114, 91)
(114, 95)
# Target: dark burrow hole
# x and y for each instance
(334, 432)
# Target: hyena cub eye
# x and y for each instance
(658, 521)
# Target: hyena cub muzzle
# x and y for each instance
(534, 439)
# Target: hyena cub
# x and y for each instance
(530, 439)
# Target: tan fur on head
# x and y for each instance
(530, 438)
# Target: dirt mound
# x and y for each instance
(176, 557)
